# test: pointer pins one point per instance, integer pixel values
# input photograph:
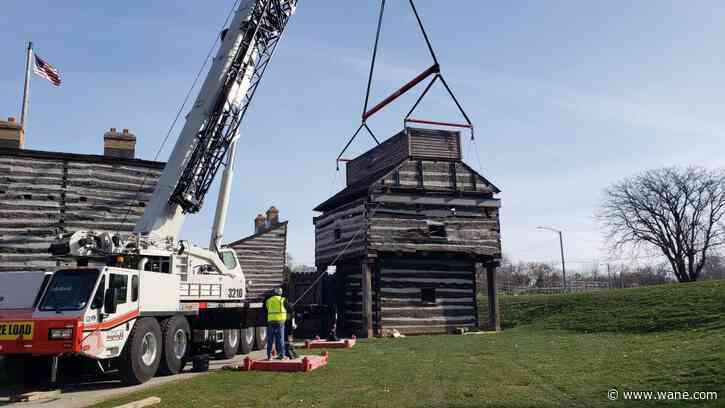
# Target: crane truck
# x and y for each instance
(142, 303)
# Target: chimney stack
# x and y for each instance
(260, 224)
(12, 134)
(272, 217)
(121, 145)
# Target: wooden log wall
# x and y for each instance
(43, 194)
(436, 175)
(350, 313)
(402, 280)
(392, 231)
(263, 259)
(438, 143)
(335, 229)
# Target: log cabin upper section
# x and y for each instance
(411, 195)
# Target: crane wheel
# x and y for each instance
(175, 332)
(246, 340)
(231, 344)
(141, 355)
(260, 337)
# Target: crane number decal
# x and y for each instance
(236, 293)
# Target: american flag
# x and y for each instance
(46, 71)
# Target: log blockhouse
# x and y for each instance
(405, 236)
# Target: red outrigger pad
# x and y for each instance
(317, 343)
(303, 364)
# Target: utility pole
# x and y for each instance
(563, 264)
(609, 276)
(561, 248)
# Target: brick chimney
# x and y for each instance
(260, 224)
(12, 134)
(122, 145)
(272, 217)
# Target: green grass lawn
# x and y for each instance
(565, 350)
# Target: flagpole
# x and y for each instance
(26, 90)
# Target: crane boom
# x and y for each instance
(246, 49)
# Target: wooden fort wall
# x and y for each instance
(402, 281)
(43, 194)
(349, 306)
(263, 258)
(336, 229)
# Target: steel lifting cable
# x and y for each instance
(367, 93)
(337, 257)
(181, 109)
(434, 70)
(375, 54)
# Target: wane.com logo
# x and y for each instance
(614, 395)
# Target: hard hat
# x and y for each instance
(278, 291)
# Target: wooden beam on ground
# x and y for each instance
(35, 396)
(146, 402)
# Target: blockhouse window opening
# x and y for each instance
(338, 233)
(428, 295)
(437, 230)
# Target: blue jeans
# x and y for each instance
(275, 335)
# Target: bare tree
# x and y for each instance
(676, 211)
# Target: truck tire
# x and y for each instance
(246, 340)
(141, 355)
(231, 344)
(260, 338)
(175, 332)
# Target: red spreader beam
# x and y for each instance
(434, 122)
(322, 344)
(303, 364)
(434, 69)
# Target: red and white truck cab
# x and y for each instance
(84, 311)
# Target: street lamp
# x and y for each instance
(561, 247)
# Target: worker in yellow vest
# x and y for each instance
(276, 307)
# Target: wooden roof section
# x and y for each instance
(414, 159)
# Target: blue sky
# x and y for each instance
(566, 96)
